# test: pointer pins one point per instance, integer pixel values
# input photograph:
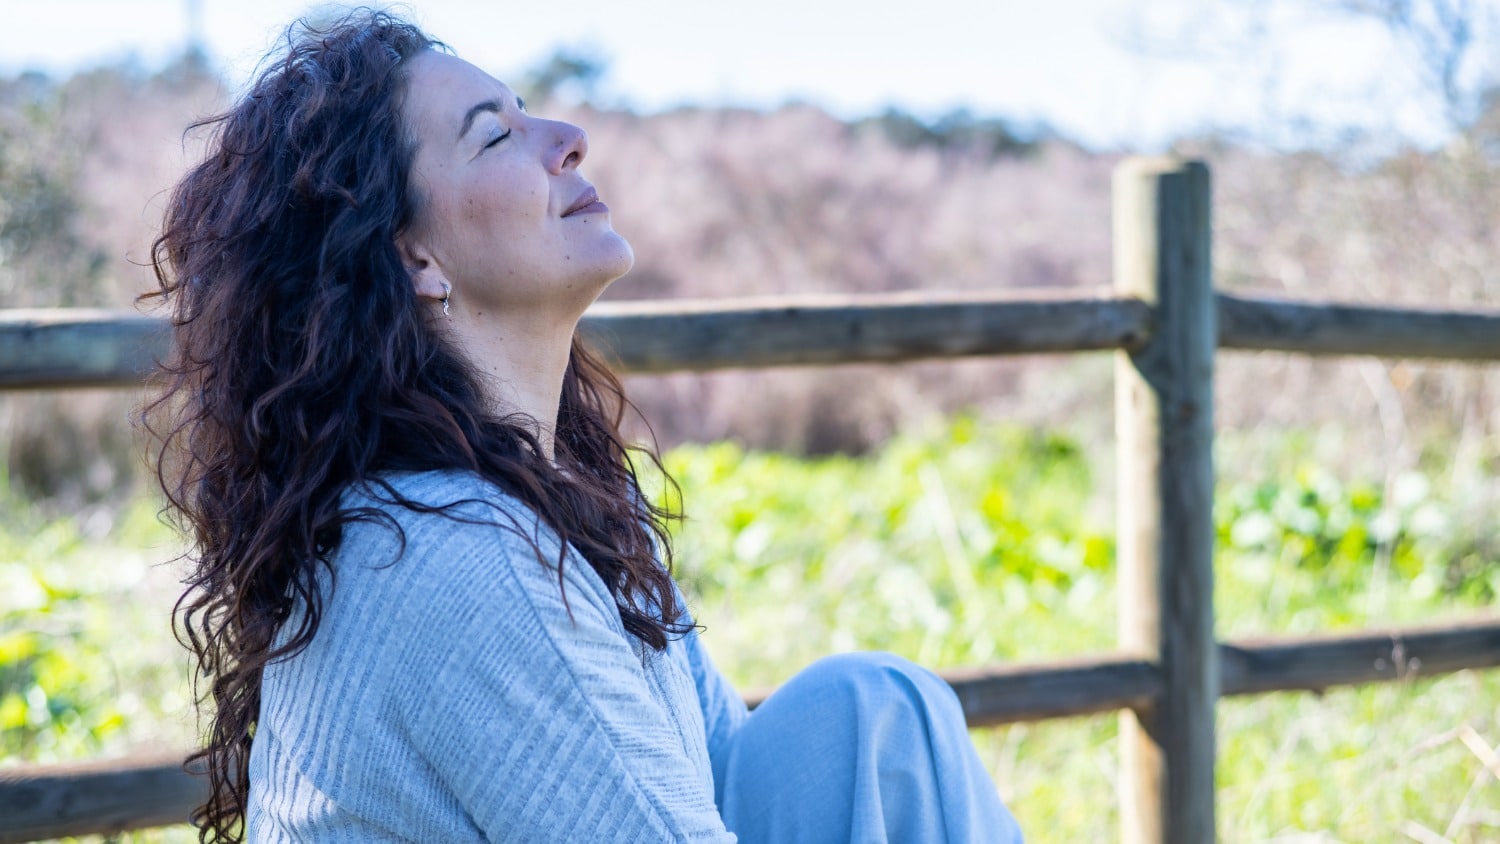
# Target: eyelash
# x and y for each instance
(498, 139)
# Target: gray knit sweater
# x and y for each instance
(448, 696)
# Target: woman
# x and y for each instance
(428, 598)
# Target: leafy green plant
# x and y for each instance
(87, 668)
(939, 546)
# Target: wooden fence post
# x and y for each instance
(1164, 429)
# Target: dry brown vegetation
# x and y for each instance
(734, 203)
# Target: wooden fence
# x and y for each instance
(1165, 322)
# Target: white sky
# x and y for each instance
(1111, 73)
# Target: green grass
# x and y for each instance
(969, 544)
(88, 666)
(976, 544)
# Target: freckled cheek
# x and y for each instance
(498, 209)
(479, 210)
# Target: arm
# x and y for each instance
(723, 709)
(544, 727)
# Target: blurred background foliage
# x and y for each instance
(731, 202)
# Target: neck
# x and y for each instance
(522, 359)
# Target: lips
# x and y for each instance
(586, 203)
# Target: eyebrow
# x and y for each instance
(492, 106)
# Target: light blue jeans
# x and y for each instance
(895, 725)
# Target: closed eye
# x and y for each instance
(498, 139)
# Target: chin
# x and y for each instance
(622, 259)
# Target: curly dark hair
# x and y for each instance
(305, 363)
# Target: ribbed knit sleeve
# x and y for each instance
(456, 692)
(723, 709)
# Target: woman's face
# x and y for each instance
(504, 215)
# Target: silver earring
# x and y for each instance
(446, 290)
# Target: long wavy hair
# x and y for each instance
(304, 364)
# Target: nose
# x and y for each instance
(572, 145)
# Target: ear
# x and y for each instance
(427, 277)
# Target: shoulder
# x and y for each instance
(463, 493)
(418, 510)
(452, 542)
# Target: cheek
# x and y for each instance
(496, 226)
(503, 199)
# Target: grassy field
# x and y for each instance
(965, 544)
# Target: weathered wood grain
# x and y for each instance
(76, 348)
(708, 335)
(97, 797)
(1325, 328)
(1164, 436)
(1315, 663)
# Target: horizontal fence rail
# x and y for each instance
(97, 797)
(48, 801)
(77, 347)
(884, 328)
(1333, 329)
(58, 348)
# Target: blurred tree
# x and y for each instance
(1439, 37)
(958, 130)
(570, 73)
(1442, 57)
(44, 259)
(73, 446)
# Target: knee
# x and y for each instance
(872, 667)
(881, 679)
